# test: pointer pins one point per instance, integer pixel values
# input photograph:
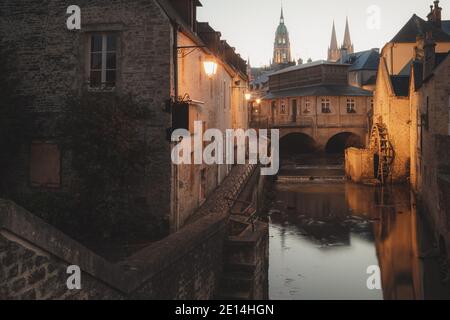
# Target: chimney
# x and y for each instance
(435, 15)
(429, 52)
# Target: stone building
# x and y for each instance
(389, 157)
(430, 136)
(153, 50)
(316, 102)
(410, 134)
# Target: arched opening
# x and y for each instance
(338, 143)
(297, 143)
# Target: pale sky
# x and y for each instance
(249, 25)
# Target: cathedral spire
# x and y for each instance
(347, 44)
(334, 53)
(282, 15)
(334, 43)
(282, 46)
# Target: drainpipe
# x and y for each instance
(176, 93)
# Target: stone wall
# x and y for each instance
(186, 265)
(52, 64)
(359, 164)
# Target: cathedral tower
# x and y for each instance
(334, 54)
(347, 44)
(282, 46)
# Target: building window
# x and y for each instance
(45, 165)
(351, 105)
(103, 60)
(307, 106)
(283, 108)
(326, 106)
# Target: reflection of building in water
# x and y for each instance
(396, 244)
(331, 213)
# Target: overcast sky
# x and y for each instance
(249, 25)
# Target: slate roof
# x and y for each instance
(264, 78)
(309, 65)
(364, 60)
(446, 26)
(400, 85)
(370, 81)
(321, 90)
(417, 26)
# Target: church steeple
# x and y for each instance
(347, 44)
(333, 50)
(282, 45)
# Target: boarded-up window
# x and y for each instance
(45, 165)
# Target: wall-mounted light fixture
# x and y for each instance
(248, 96)
(210, 67)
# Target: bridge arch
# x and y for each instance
(297, 143)
(343, 140)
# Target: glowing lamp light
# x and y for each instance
(210, 68)
(248, 96)
(258, 101)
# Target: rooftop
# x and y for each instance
(417, 26)
(308, 65)
(320, 90)
(364, 60)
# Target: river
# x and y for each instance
(328, 237)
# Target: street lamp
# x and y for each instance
(258, 101)
(248, 96)
(210, 68)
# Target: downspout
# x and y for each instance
(175, 227)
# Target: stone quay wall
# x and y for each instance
(34, 257)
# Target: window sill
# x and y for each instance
(101, 90)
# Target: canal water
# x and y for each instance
(328, 237)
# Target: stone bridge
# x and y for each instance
(332, 139)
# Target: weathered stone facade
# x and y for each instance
(186, 265)
(54, 63)
(315, 100)
(412, 103)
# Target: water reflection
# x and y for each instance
(324, 236)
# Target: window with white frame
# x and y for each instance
(103, 60)
(326, 105)
(351, 105)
